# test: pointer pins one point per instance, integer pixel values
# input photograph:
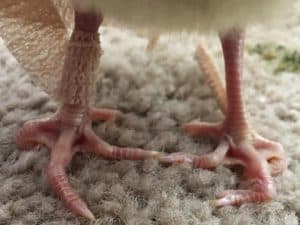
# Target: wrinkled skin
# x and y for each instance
(74, 61)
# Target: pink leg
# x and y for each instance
(70, 130)
(239, 144)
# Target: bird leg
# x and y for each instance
(70, 129)
(239, 144)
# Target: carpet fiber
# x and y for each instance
(157, 91)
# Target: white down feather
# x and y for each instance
(167, 16)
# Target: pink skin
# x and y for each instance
(69, 130)
(239, 144)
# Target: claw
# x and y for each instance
(240, 197)
(60, 184)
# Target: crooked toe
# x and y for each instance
(196, 128)
(273, 152)
(209, 160)
(33, 134)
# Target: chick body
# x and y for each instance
(169, 16)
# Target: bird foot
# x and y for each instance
(66, 134)
(260, 158)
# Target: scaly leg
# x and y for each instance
(239, 144)
(70, 130)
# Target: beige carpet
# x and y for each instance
(157, 92)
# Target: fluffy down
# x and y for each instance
(167, 16)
